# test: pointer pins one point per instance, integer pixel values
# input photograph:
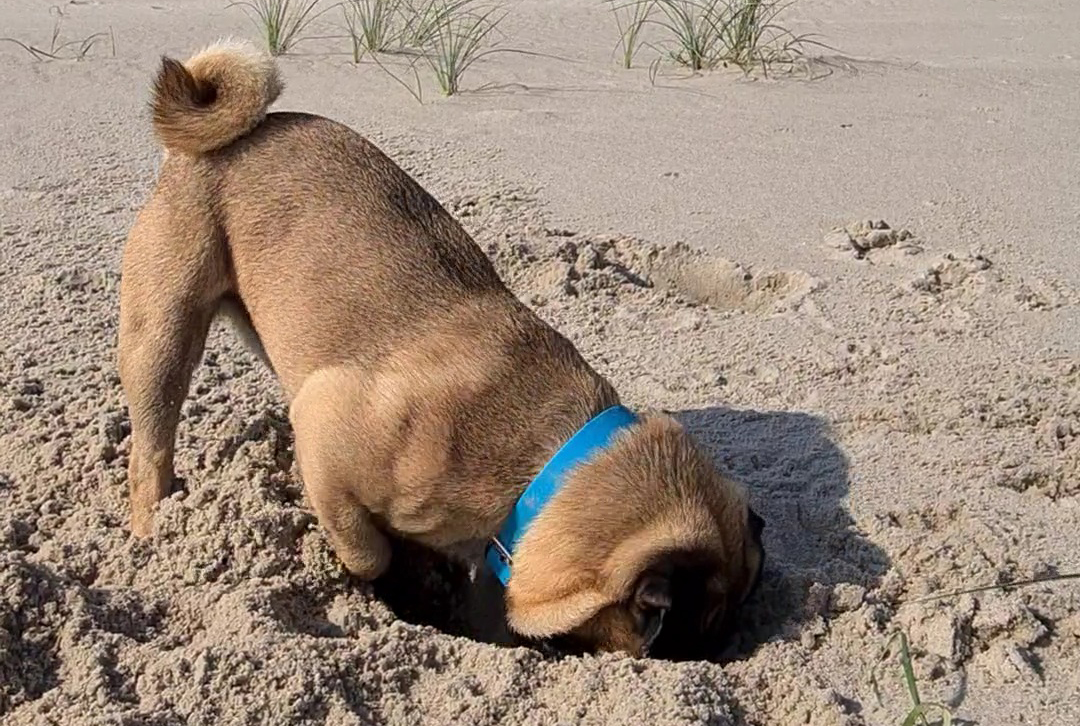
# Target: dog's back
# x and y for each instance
(324, 232)
(320, 230)
(329, 256)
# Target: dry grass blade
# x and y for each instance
(84, 46)
(282, 22)
(59, 50)
(1000, 586)
(37, 53)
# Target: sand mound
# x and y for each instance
(240, 596)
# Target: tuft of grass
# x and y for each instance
(372, 25)
(753, 37)
(706, 34)
(458, 40)
(696, 26)
(630, 17)
(282, 22)
(449, 36)
(746, 28)
(59, 49)
(422, 18)
(919, 709)
(396, 26)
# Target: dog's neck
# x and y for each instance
(594, 436)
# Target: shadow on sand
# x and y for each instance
(798, 481)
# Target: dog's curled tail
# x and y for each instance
(217, 96)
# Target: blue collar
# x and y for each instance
(594, 435)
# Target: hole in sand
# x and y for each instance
(727, 285)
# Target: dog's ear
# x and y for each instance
(650, 604)
(653, 592)
(543, 616)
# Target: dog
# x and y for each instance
(423, 395)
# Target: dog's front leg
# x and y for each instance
(358, 543)
(336, 462)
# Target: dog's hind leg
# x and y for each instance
(174, 273)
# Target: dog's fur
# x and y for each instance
(423, 395)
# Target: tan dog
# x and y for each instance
(423, 395)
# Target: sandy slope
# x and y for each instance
(908, 417)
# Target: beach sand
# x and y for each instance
(904, 404)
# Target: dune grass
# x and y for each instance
(281, 22)
(920, 709)
(702, 35)
(631, 18)
(753, 36)
(448, 36)
(695, 28)
(373, 25)
(399, 26)
(459, 40)
(422, 18)
(60, 49)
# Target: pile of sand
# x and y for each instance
(238, 608)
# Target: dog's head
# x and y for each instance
(648, 549)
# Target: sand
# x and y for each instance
(861, 291)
